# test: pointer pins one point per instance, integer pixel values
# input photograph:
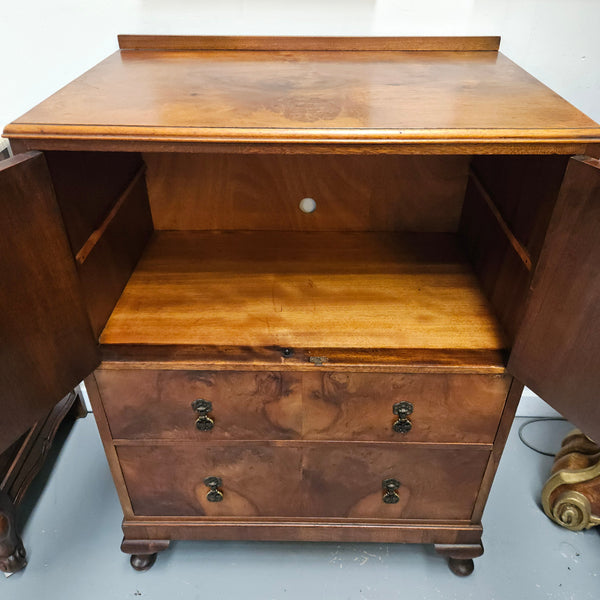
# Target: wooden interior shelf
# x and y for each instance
(305, 290)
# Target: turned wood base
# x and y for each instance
(460, 556)
(143, 552)
(571, 496)
(20, 464)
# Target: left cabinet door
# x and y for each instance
(46, 341)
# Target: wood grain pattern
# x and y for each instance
(47, 344)
(288, 289)
(207, 42)
(372, 193)
(358, 406)
(143, 404)
(169, 480)
(111, 260)
(342, 482)
(148, 404)
(435, 484)
(557, 351)
(448, 99)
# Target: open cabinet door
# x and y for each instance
(46, 342)
(557, 349)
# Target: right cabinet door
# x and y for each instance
(557, 349)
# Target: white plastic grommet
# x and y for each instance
(307, 205)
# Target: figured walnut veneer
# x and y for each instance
(153, 405)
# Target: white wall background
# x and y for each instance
(47, 44)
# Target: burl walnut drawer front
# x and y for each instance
(259, 405)
(254, 480)
(157, 404)
(403, 407)
(310, 480)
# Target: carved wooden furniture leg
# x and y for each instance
(143, 552)
(20, 464)
(460, 556)
(571, 496)
(12, 552)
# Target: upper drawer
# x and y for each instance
(310, 405)
(252, 405)
(442, 408)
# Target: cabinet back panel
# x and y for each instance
(262, 192)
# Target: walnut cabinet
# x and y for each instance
(265, 368)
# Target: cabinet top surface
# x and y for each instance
(387, 91)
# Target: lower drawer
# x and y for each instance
(338, 480)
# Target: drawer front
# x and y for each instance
(261, 405)
(435, 483)
(446, 408)
(157, 404)
(256, 481)
(310, 480)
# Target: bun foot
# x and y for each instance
(461, 566)
(142, 562)
(460, 556)
(143, 552)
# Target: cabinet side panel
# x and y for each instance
(87, 185)
(115, 250)
(263, 192)
(503, 276)
(524, 189)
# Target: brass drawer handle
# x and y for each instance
(390, 496)
(213, 494)
(203, 407)
(403, 424)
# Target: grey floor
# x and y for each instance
(73, 536)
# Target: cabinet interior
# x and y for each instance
(405, 256)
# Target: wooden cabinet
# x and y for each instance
(268, 372)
